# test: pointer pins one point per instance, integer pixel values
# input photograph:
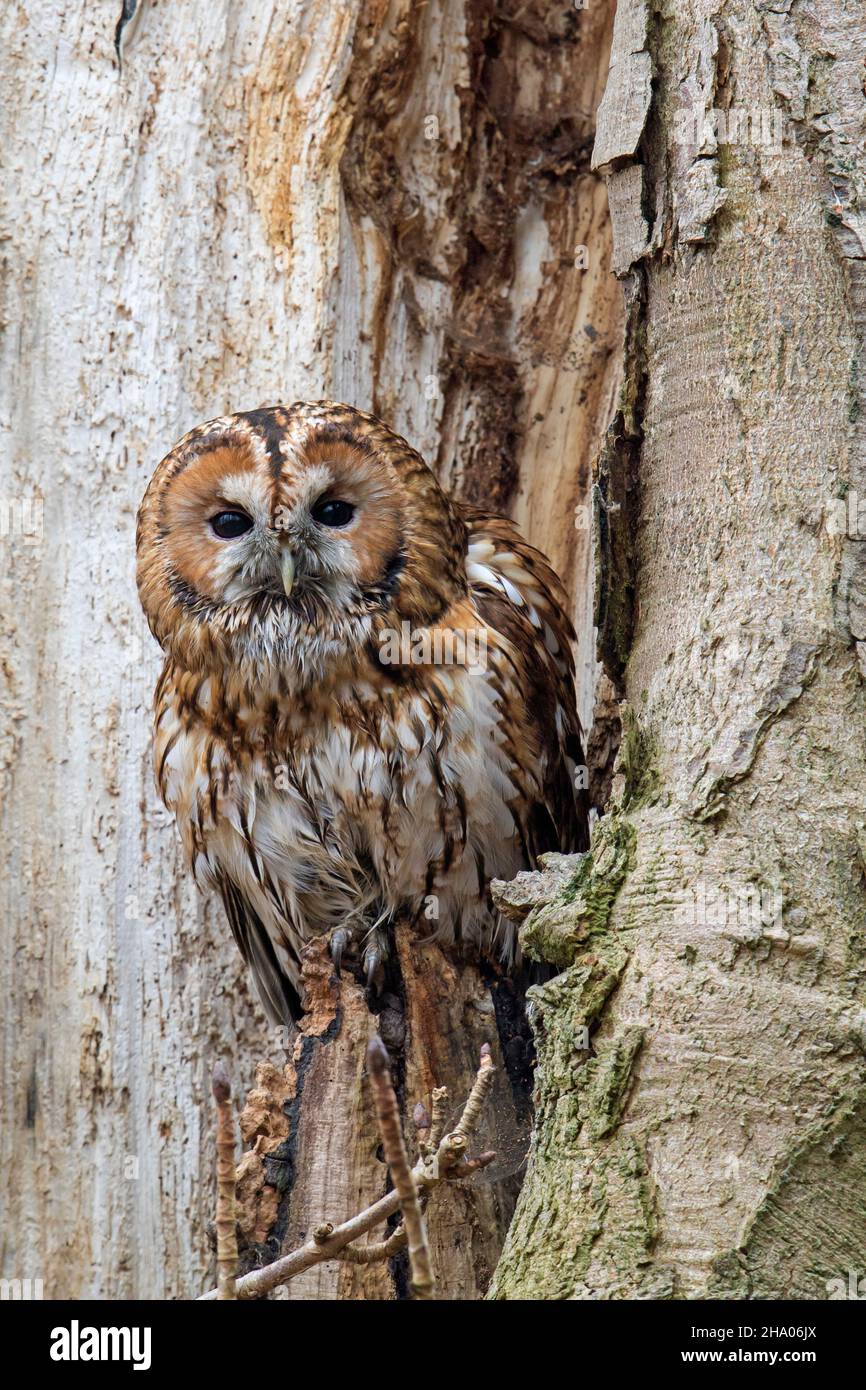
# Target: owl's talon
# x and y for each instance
(373, 961)
(338, 944)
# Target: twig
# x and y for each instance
(377, 1250)
(388, 1115)
(227, 1240)
(330, 1242)
(467, 1166)
(468, 1121)
(261, 1281)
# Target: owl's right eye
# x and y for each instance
(227, 525)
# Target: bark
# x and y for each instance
(706, 1136)
(212, 207)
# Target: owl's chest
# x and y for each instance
(412, 796)
(416, 800)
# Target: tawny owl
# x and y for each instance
(367, 707)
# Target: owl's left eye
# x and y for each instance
(333, 512)
(227, 525)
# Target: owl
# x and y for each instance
(367, 706)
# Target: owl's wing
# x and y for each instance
(276, 991)
(519, 596)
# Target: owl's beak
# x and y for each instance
(287, 571)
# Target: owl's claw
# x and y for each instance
(339, 942)
(373, 961)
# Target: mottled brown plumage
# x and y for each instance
(367, 706)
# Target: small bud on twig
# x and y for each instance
(378, 1061)
(220, 1084)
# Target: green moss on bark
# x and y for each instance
(560, 930)
(609, 1085)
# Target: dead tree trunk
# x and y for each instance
(212, 207)
(312, 1141)
(701, 1099)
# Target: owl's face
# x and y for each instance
(288, 537)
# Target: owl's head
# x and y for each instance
(289, 537)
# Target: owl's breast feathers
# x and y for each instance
(433, 761)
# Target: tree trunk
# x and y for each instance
(214, 207)
(701, 1130)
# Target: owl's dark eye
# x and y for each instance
(333, 512)
(227, 525)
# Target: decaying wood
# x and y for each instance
(314, 1145)
(439, 1167)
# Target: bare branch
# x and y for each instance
(388, 1116)
(261, 1281)
(377, 1250)
(465, 1167)
(226, 1227)
(483, 1081)
(451, 1153)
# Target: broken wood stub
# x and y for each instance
(312, 1148)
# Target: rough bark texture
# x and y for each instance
(706, 1137)
(211, 207)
